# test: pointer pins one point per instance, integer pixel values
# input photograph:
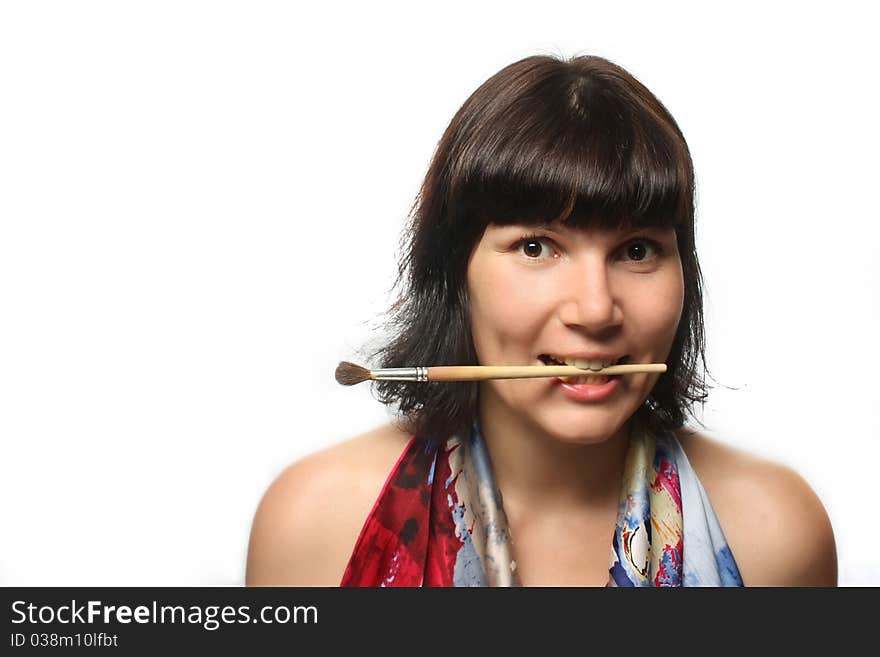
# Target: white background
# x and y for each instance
(200, 205)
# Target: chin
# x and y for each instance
(580, 429)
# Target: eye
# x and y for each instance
(642, 249)
(535, 247)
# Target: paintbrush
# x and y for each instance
(349, 374)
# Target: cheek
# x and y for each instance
(658, 311)
(506, 315)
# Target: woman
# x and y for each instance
(555, 223)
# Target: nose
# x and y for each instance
(589, 300)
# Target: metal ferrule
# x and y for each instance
(400, 374)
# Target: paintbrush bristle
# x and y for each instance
(348, 374)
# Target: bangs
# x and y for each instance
(589, 157)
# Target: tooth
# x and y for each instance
(569, 361)
(595, 365)
(588, 379)
(607, 363)
(581, 363)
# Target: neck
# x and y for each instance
(534, 468)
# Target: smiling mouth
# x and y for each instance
(586, 365)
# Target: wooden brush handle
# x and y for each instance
(483, 372)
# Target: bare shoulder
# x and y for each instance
(309, 519)
(776, 526)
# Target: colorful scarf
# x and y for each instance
(439, 521)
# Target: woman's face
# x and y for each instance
(573, 293)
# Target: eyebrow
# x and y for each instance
(543, 225)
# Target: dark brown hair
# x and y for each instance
(580, 141)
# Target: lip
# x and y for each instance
(586, 392)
